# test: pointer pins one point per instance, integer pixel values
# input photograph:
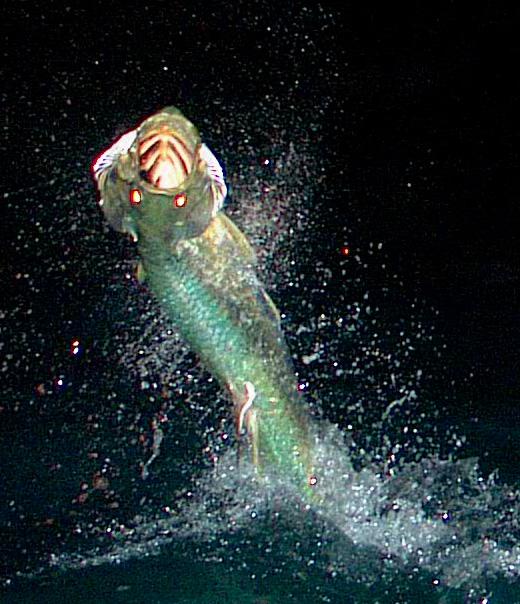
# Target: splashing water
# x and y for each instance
(367, 526)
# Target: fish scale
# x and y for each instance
(206, 324)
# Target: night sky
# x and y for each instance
(407, 116)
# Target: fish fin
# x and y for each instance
(110, 156)
(216, 174)
(225, 235)
(243, 406)
(246, 418)
(252, 428)
(140, 273)
(128, 226)
(271, 306)
(225, 226)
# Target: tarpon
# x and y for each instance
(160, 184)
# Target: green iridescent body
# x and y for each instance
(201, 269)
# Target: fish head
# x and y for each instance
(160, 178)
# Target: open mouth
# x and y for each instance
(165, 159)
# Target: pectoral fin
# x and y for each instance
(128, 226)
(140, 273)
(273, 312)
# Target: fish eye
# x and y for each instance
(180, 200)
(135, 197)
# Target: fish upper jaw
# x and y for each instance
(165, 158)
(166, 150)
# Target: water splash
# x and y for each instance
(436, 519)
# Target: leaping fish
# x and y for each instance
(162, 185)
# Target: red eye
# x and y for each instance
(135, 197)
(180, 200)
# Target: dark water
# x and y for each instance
(389, 132)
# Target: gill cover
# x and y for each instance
(160, 178)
